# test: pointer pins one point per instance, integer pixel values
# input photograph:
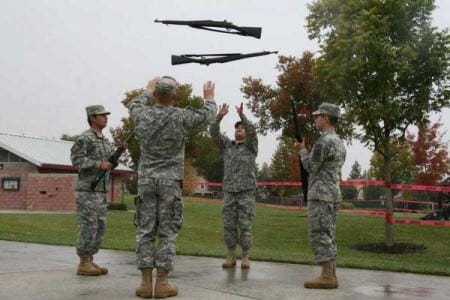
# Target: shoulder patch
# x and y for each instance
(317, 153)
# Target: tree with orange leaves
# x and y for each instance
(430, 154)
(272, 104)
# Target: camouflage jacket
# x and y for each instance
(161, 131)
(87, 153)
(238, 158)
(324, 166)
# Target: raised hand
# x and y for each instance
(208, 90)
(152, 84)
(240, 109)
(223, 110)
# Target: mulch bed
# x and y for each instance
(397, 248)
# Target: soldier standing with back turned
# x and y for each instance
(90, 154)
(324, 195)
(161, 131)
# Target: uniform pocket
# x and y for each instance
(316, 216)
(326, 216)
(177, 218)
(137, 205)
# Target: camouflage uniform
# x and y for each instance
(87, 153)
(324, 194)
(161, 131)
(239, 184)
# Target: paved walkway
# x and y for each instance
(34, 271)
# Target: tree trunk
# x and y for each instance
(389, 224)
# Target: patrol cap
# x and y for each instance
(96, 110)
(166, 85)
(328, 109)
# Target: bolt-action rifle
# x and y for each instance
(207, 59)
(113, 159)
(298, 136)
(213, 25)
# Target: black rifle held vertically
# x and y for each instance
(210, 25)
(113, 159)
(298, 136)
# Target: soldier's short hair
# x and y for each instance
(333, 120)
(237, 124)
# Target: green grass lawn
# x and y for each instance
(129, 202)
(279, 235)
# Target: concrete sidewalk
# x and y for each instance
(34, 271)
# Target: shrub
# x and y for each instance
(346, 205)
(117, 206)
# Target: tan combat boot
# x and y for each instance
(103, 270)
(163, 288)
(230, 262)
(146, 288)
(245, 261)
(326, 280)
(86, 268)
(334, 274)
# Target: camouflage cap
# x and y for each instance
(166, 85)
(96, 110)
(328, 109)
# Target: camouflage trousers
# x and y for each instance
(322, 229)
(237, 214)
(91, 221)
(159, 214)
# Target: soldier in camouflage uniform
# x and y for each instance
(161, 131)
(324, 194)
(90, 154)
(239, 184)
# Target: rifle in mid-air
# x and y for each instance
(113, 159)
(298, 136)
(212, 25)
(207, 59)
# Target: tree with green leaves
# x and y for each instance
(355, 172)
(285, 166)
(350, 192)
(403, 167)
(264, 173)
(372, 192)
(386, 64)
(206, 158)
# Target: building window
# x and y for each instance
(6, 156)
(11, 183)
(14, 158)
(3, 155)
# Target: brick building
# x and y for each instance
(36, 174)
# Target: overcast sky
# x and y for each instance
(58, 56)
